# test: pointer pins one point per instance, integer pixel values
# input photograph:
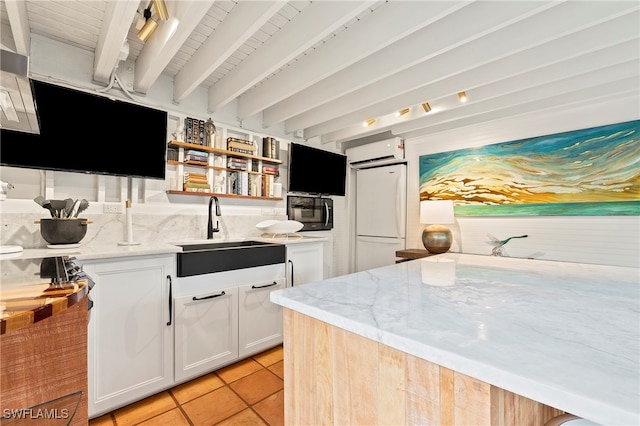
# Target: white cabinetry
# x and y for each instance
(225, 316)
(260, 320)
(130, 330)
(304, 262)
(206, 331)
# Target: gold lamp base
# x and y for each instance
(437, 239)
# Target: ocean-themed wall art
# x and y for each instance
(588, 172)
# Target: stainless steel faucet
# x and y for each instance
(210, 228)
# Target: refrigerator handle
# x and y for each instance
(326, 213)
(399, 206)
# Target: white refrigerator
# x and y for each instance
(381, 203)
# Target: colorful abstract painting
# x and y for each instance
(586, 172)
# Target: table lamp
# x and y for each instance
(436, 237)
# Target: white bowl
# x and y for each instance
(279, 226)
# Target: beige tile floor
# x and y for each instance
(249, 392)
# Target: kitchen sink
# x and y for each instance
(211, 257)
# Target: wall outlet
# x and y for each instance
(112, 208)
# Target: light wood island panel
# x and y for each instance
(333, 376)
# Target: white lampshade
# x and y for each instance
(436, 212)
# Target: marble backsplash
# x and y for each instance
(105, 229)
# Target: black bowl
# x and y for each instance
(63, 231)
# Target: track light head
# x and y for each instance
(426, 107)
(462, 96)
(161, 9)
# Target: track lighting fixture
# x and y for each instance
(462, 96)
(403, 112)
(149, 26)
(369, 122)
(161, 9)
(426, 107)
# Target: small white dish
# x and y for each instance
(280, 226)
(63, 246)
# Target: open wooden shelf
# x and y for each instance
(209, 194)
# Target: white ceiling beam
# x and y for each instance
(529, 33)
(18, 19)
(588, 49)
(417, 47)
(117, 20)
(156, 54)
(237, 27)
(310, 26)
(384, 26)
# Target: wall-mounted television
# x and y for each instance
(316, 171)
(89, 133)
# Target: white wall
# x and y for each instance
(611, 240)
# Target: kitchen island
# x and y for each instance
(464, 339)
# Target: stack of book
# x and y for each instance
(172, 154)
(196, 157)
(238, 183)
(270, 170)
(196, 182)
(240, 145)
(270, 148)
(267, 185)
(194, 131)
(237, 163)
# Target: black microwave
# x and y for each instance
(315, 213)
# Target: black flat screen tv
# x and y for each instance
(88, 133)
(316, 171)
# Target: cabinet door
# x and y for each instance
(304, 263)
(260, 320)
(206, 331)
(130, 333)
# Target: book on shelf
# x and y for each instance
(172, 154)
(268, 181)
(190, 189)
(270, 148)
(196, 185)
(201, 138)
(244, 141)
(188, 130)
(195, 178)
(200, 158)
(271, 170)
(240, 150)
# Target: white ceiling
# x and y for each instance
(321, 68)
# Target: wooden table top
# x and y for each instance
(24, 306)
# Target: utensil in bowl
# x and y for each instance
(84, 204)
(67, 208)
(58, 207)
(47, 205)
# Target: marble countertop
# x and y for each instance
(564, 334)
(106, 251)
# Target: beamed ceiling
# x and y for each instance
(321, 68)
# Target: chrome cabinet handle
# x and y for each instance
(265, 286)
(170, 299)
(209, 297)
